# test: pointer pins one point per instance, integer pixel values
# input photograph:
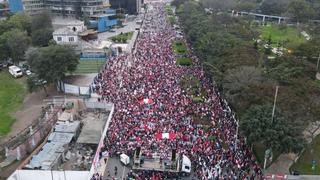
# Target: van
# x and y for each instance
(15, 71)
(124, 159)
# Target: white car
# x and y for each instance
(28, 72)
(15, 71)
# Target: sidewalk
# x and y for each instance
(102, 166)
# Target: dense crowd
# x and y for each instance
(205, 131)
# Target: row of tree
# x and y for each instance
(299, 10)
(20, 31)
(25, 38)
(247, 78)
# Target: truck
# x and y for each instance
(15, 71)
(178, 164)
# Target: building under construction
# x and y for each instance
(65, 8)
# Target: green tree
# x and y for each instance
(309, 49)
(21, 21)
(274, 7)
(4, 49)
(41, 37)
(277, 133)
(4, 26)
(17, 42)
(41, 29)
(34, 84)
(53, 62)
(300, 10)
(219, 6)
(239, 85)
(246, 6)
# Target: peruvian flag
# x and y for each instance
(165, 135)
(145, 101)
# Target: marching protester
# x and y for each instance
(150, 100)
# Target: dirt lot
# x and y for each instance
(30, 110)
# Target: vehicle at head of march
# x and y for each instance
(176, 164)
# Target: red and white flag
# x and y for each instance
(145, 101)
(165, 135)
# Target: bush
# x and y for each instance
(197, 99)
(179, 47)
(184, 61)
(122, 37)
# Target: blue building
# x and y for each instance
(104, 22)
(30, 7)
(15, 6)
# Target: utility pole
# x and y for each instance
(274, 103)
(318, 62)
(317, 73)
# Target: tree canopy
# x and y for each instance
(42, 30)
(245, 75)
(277, 134)
(17, 43)
(53, 62)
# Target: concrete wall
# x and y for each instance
(65, 39)
(49, 175)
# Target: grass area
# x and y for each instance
(194, 87)
(304, 163)
(122, 37)
(289, 36)
(172, 20)
(89, 66)
(169, 10)
(171, 17)
(184, 61)
(179, 47)
(12, 92)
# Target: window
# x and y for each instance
(71, 39)
(59, 38)
(187, 167)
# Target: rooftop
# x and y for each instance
(65, 31)
(66, 21)
(67, 127)
(47, 157)
(92, 129)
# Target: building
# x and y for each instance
(65, 8)
(31, 7)
(103, 22)
(4, 10)
(129, 6)
(66, 35)
(77, 8)
(67, 30)
(73, 148)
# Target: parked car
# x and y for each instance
(28, 72)
(296, 173)
(7, 63)
(15, 71)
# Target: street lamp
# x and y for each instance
(317, 73)
(274, 103)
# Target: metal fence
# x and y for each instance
(27, 140)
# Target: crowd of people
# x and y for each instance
(205, 130)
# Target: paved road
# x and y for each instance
(122, 170)
(304, 177)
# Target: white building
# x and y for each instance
(65, 35)
(67, 30)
